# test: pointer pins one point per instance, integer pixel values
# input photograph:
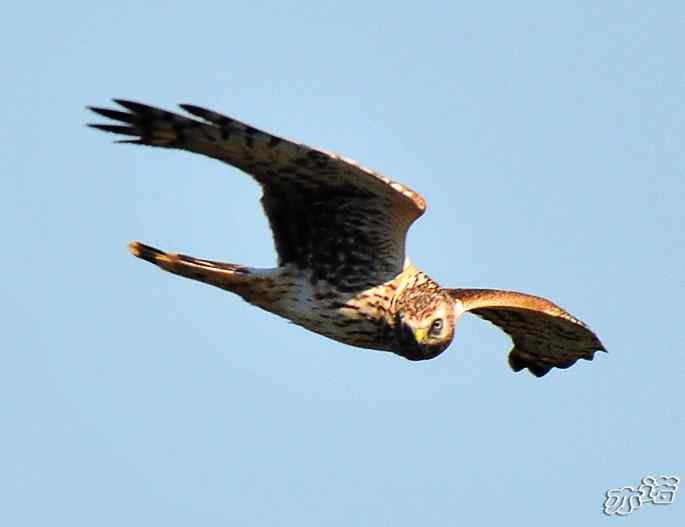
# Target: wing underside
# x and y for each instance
(544, 335)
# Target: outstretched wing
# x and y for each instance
(344, 222)
(545, 336)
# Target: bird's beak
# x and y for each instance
(420, 335)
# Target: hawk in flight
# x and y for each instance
(339, 230)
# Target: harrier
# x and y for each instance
(339, 230)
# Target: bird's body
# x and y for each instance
(339, 230)
(363, 319)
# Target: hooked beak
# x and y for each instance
(409, 340)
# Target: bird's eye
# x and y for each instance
(436, 326)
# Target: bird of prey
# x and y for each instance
(339, 231)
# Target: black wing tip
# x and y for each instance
(518, 362)
(199, 111)
(121, 102)
(121, 130)
(116, 115)
(213, 117)
(115, 129)
(131, 105)
(100, 110)
(138, 108)
(192, 108)
(539, 370)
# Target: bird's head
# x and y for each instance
(424, 327)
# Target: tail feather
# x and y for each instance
(262, 288)
(146, 252)
(220, 274)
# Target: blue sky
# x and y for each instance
(547, 139)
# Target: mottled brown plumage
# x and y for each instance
(339, 231)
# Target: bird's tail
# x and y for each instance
(235, 278)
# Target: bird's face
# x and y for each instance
(427, 333)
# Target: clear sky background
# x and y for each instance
(547, 138)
